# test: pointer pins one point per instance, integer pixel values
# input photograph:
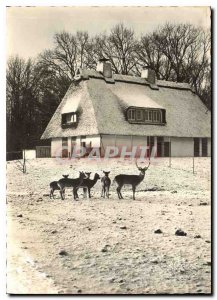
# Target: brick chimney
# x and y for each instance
(104, 67)
(149, 75)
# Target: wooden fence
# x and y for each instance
(43, 151)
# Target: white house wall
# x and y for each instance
(139, 141)
(95, 141)
(182, 147)
(56, 147)
(106, 140)
(123, 140)
(78, 142)
(30, 154)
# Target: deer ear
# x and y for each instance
(109, 172)
(104, 172)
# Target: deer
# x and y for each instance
(106, 182)
(132, 180)
(87, 174)
(70, 183)
(54, 186)
(87, 184)
(87, 177)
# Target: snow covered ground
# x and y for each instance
(109, 245)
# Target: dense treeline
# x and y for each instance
(35, 87)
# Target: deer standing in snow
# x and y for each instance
(132, 180)
(87, 183)
(54, 186)
(106, 182)
(70, 183)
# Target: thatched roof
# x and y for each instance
(101, 107)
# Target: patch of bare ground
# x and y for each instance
(110, 246)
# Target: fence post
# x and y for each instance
(24, 161)
(170, 152)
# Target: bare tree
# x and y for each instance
(120, 48)
(33, 93)
(70, 52)
(20, 100)
(178, 53)
(150, 56)
(62, 58)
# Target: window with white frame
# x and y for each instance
(69, 119)
(139, 116)
(131, 114)
(145, 116)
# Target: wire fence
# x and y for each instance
(19, 158)
(191, 164)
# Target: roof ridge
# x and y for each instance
(86, 73)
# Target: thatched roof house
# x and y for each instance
(110, 109)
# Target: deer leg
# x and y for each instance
(75, 194)
(51, 193)
(134, 190)
(120, 192)
(107, 191)
(89, 193)
(102, 192)
(86, 192)
(62, 193)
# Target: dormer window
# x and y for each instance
(139, 116)
(69, 119)
(131, 115)
(146, 115)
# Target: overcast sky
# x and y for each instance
(30, 30)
